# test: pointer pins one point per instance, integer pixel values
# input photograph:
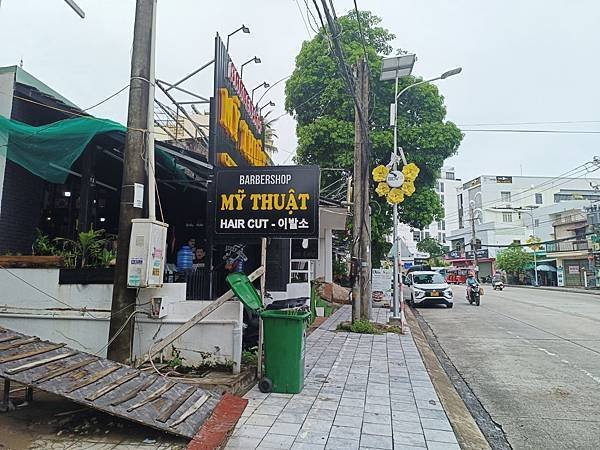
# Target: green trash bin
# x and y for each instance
(284, 339)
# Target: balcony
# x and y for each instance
(567, 246)
(571, 218)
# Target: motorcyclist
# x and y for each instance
(471, 281)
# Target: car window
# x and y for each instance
(428, 278)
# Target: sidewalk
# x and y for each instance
(361, 391)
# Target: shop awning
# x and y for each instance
(542, 268)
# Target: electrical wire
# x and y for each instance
(526, 123)
(303, 20)
(107, 98)
(362, 36)
(309, 11)
(489, 130)
(120, 330)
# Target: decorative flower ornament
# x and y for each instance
(382, 189)
(411, 171)
(408, 187)
(380, 173)
(395, 196)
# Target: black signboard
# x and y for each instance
(481, 253)
(281, 201)
(236, 126)
(454, 254)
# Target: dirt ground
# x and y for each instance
(51, 422)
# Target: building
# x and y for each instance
(502, 209)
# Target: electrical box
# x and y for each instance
(147, 253)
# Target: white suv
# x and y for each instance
(428, 288)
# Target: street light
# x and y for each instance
(255, 60)
(529, 213)
(263, 84)
(392, 69)
(243, 28)
(264, 106)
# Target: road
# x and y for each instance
(532, 358)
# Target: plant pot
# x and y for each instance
(87, 275)
(30, 261)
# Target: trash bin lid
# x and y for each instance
(245, 291)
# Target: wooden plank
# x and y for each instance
(63, 370)
(134, 392)
(191, 410)
(35, 352)
(40, 362)
(168, 385)
(8, 338)
(111, 387)
(87, 381)
(30, 261)
(174, 406)
(164, 342)
(18, 343)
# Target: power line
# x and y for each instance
(309, 11)
(303, 20)
(526, 123)
(490, 130)
(362, 36)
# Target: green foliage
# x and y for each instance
(89, 250)
(340, 267)
(431, 246)
(43, 245)
(360, 326)
(318, 98)
(513, 259)
(250, 357)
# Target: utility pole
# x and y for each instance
(474, 239)
(362, 218)
(123, 301)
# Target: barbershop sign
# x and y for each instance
(281, 201)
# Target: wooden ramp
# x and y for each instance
(117, 389)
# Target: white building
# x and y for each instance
(493, 200)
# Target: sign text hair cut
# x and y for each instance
(280, 201)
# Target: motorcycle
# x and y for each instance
(475, 295)
(498, 285)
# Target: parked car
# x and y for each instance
(428, 288)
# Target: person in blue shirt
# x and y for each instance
(471, 281)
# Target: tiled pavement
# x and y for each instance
(361, 392)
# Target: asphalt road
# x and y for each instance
(532, 358)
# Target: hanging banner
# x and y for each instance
(281, 201)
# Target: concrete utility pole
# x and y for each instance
(474, 239)
(361, 304)
(123, 301)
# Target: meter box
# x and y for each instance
(147, 253)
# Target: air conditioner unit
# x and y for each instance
(147, 253)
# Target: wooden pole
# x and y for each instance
(263, 291)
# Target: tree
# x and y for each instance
(513, 259)
(319, 99)
(431, 246)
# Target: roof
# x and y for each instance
(24, 77)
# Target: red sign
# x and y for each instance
(246, 100)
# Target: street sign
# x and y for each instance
(279, 201)
(395, 179)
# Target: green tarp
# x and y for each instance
(47, 150)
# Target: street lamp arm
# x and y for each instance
(416, 84)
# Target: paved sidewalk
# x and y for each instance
(361, 391)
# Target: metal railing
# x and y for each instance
(567, 246)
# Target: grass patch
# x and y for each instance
(368, 327)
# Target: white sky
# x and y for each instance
(523, 61)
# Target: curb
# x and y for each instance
(467, 432)
(216, 430)
(557, 289)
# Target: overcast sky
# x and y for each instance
(523, 61)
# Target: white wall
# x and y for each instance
(7, 83)
(45, 312)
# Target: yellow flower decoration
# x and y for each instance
(380, 173)
(395, 196)
(411, 171)
(408, 187)
(382, 189)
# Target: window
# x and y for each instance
(441, 186)
(536, 222)
(516, 242)
(416, 236)
(439, 236)
(443, 225)
(427, 234)
(505, 197)
(428, 278)
(538, 199)
(449, 175)
(506, 217)
(442, 198)
(444, 238)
